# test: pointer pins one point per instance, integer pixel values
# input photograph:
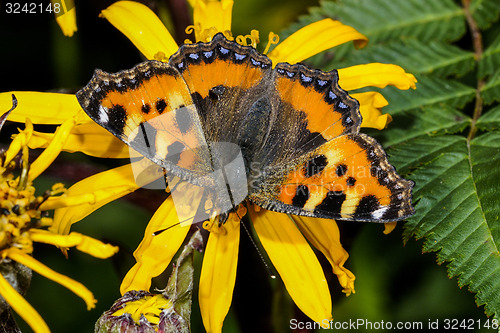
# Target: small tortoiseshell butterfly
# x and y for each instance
(296, 130)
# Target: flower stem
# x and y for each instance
(478, 53)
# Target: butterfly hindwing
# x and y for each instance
(318, 164)
(347, 178)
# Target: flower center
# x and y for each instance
(19, 208)
(149, 306)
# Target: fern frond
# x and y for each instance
(427, 121)
(491, 120)
(417, 57)
(490, 60)
(387, 19)
(485, 12)
(491, 90)
(430, 91)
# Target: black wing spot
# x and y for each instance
(367, 205)
(392, 213)
(315, 165)
(351, 181)
(332, 202)
(341, 170)
(199, 102)
(216, 92)
(310, 140)
(301, 196)
(117, 117)
(146, 108)
(161, 105)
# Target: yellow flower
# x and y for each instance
(285, 238)
(24, 220)
(65, 13)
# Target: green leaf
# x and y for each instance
(491, 90)
(428, 121)
(388, 20)
(485, 12)
(456, 190)
(431, 139)
(490, 121)
(416, 57)
(490, 60)
(430, 91)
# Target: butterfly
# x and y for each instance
(219, 116)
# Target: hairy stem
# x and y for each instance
(478, 53)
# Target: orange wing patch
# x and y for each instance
(150, 108)
(202, 78)
(328, 109)
(318, 121)
(349, 177)
(150, 99)
(220, 63)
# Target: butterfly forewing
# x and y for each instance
(225, 80)
(150, 108)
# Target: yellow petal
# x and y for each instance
(19, 142)
(313, 39)
(83, 243)
(41, 108)
(141, 25)
(66, 18)
(52, 151)
(295, 261)
(83, 118)
(375, 75)
(324, 235)
(75, 286)
(389, 227)
(370, 104)
(22, 307)
(218, 274)
(64, 201)
(156, 251)
(88, 138)
(209, 15)
(101, 189)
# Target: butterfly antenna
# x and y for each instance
(269, 270)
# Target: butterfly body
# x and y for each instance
(218, 115)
